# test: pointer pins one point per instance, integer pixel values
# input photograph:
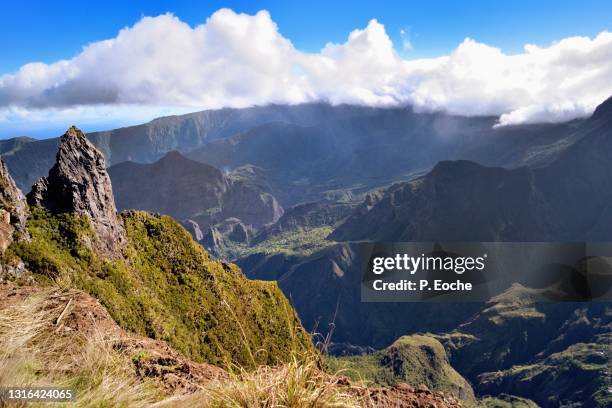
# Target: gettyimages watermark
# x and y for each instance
(477, 271)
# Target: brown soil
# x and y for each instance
(405, 396)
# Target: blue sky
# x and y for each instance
(50, 30)
(398, 52)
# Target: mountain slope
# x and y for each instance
(70, 336)
(415, 359)
(566, 199)
(325, 289)
(455, 201)
(359, 153)
(194, 191)
(556, 354)
(575, 376)
(162, 286)
(71, 339)
(173, 185)
(29, 159)
(148, 142)
(512, 345)
(157, 282)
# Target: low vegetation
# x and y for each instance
(506, 401)
(168, 288)
(582, 370)
(415, 359)
(299, 383)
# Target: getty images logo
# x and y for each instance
(425, 263)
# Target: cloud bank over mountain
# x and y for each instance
(238, 60)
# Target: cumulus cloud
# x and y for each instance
(241, 60)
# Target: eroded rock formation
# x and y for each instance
(13, 210)
(79, 183)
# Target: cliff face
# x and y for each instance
(78, 183)
(13, 210)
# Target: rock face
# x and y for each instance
(79, 183)
(194, 229)
(13, 210)
(217, 236)
(251, 205)
(6, 230)
(212, 240)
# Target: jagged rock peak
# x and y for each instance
(13, 210)
(79, 183)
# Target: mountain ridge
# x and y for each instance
(548, 202)
(510, 146)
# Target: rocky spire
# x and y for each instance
(13, 210)
(79, 183)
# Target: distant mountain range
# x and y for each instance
(555, 354)
(567, 198)
(311, 151)
(249, 164)
(150, 141)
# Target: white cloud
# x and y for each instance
(241, 60)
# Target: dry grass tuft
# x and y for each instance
(297, 384)
(32, 354)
